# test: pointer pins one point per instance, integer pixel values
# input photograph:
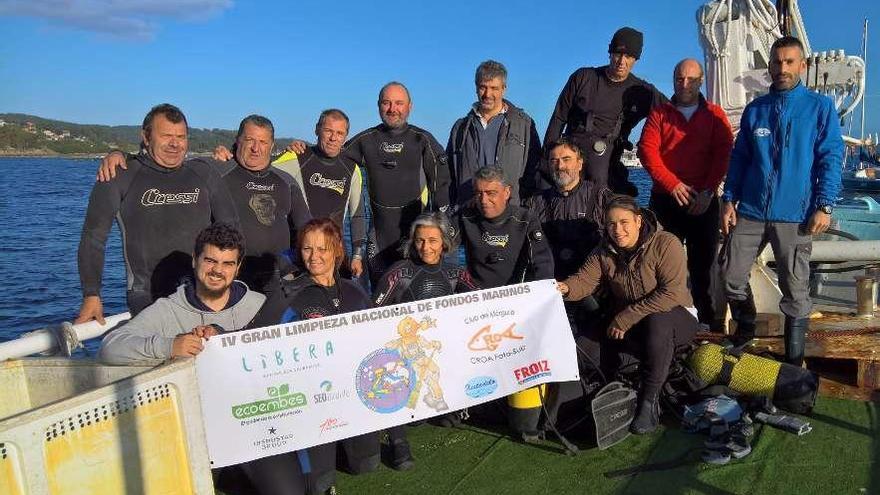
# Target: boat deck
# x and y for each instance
(839, 456)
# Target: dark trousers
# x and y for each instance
(699, 234)
(652, 341)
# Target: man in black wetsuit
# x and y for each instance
(493, 132)
(332, 185)
(160, 203)
(571, 213)
(503, 242)
(406, 174)
(598, 108)
(269, 202)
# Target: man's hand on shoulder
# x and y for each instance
(222, 154)
(819, 223)
(297, 146)
(91, 309)
(107, 169)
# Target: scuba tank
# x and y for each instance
(525, 410)
(789, 387)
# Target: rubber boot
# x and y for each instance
(795, 339)
(647, 417)
(744, 314)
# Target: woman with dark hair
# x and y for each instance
(644, 271)
(422, 274)
(317, 293)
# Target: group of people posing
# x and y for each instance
(242, 241)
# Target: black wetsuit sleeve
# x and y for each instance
(465, 282)
(390, 287)
(532, 180)
(104, 203)
(299, 212)
(541, 255)
(563, 106)
(436, 167)
(271, 311)
(222, 206)
(356, 212)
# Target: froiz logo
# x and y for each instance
(337, 185)
(532, 372)
(391, 147)
(496, 240)
(485, 340)
(154, 197)
(762, 132)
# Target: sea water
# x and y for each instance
(42, 206)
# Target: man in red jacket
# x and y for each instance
(685, 146)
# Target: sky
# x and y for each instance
(109, 61)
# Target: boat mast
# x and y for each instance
(865, 58)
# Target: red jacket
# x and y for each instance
(694, 151)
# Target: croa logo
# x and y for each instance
(496, 240)
(486, 340)
(332, 424)
(328, 394)
(532, 372)
(154, 197)
(391, 147)
(762, 132)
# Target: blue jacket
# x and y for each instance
(787, 158)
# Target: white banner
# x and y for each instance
(287, 387)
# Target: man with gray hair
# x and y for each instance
(268, 200)
(494, 132)
(503, 242)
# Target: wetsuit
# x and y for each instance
(573, 223)
(333, 189)
(271, 207)
(593, 111)
(509, 249)
(407, 172)
(159, 212)
(412, 280)
(302, 299)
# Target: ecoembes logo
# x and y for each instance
(280, 398)
(532, 372)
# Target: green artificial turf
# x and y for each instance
(838, 457)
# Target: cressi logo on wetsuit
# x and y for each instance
(496, 240)
(335, 185)
(155, 197)
(391, 147)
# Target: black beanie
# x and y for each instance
(626, 40)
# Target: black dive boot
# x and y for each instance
(744, 314)
(647, 417)
(795, 339)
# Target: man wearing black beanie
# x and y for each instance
(598, 108)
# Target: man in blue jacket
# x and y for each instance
(783, 180)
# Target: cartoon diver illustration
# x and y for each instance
(413, 347)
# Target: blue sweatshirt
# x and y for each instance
(787, 158)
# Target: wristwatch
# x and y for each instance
(826, 209)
